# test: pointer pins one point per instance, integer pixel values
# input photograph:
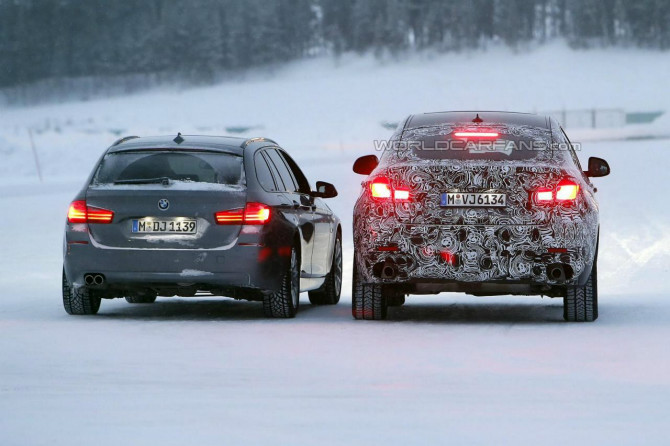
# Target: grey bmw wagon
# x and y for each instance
(201, 215)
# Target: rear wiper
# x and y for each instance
(162, 180)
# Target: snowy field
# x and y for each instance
(443, 369)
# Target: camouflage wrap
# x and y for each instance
(464, 244)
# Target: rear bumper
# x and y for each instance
(464, 257)
(249, 267)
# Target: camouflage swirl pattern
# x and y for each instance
(426, 241)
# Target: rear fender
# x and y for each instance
(584, 276)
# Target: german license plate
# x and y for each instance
(175, 226)
(473, 199)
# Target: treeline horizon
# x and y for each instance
(197, 40)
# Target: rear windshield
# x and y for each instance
(495, 142)
(146, 167)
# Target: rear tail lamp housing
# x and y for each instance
(565, 192)
(382, 189)
(80, 212)
(251, 214)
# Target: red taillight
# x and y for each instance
(380, 188)
(401, 194)
(230, 217)
(252, 214)
(544, 196)
(256, 214)
(97, 215)
(79, 212)
(566, 191)
(476, 135)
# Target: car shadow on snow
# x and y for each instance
(613, 311)
(170, 309)
(478, 313)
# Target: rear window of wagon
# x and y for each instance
(147, 166)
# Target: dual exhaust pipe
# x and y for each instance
(94, 279)
(389, 270)
(559, 272)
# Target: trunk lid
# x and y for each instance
(186, 200)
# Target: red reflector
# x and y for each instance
(284, 251)
(557, 250)
(447, 257)
(252, 214)
(79, 212)
(475, 135)
(566, 191)
(264, 254)
(388, 248)
(380, 188)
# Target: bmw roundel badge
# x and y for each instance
(163, 204)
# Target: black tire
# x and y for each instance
(580, 304)
(285, 302)
(149, 299)
(79, 299)
(367, 299)
(329, 293)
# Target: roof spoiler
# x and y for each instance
(124, 139)
(253, 140)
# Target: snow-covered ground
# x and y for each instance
(447, 368)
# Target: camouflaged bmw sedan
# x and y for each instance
(201, 215)
(485, 203)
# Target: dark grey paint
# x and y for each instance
(240, 261)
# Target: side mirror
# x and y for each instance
(366, 164)
(324, 190)
(598, 167)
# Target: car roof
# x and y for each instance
(492, 117)
(226, 144)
